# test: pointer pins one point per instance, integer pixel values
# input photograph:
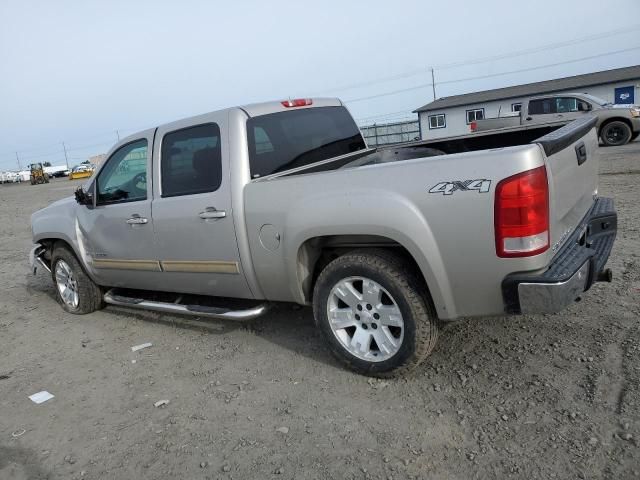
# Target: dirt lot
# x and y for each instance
(551, 396)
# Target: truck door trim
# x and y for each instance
(212, 266)
(215, 266)
(108, 263)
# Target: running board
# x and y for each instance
(193, 310)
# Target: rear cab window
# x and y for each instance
(296, 138)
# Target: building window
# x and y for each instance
(516, 107)
(437, 121)
(475, 114)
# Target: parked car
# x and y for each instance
(616, 124)
(10, 177)
(283, 201)
(57, 171)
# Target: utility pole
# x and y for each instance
(433, 84)
(18, 159)
(66, 160)
(118, 135)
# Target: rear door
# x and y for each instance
(194, 234)
(568, 108)
(541, 110)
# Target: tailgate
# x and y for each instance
(572, 168)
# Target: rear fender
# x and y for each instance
(396, 219)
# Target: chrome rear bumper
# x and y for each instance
(572, 271)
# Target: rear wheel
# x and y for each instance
(75, 291)
(615, 133)
(375, 315)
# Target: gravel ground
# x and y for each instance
(548, 396)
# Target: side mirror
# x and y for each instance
(584, 107)
(83, 198)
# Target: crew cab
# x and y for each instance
(222, 214)
(616, 124)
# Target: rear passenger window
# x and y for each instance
(191, 161)
(541, 107)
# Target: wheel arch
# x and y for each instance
(615, 119)
(316, 252)
(50, 242)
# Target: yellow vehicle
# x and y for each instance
(81, 171)
(38, 175)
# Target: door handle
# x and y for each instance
(211, 212)
(137, 220)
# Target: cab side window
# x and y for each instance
(124, 176)
(566, 104)
(542, 106)
(191, 161)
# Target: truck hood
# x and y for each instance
(620, 105)
(62, 203)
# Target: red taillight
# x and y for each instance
(298, 102)
(474, 126)
(522, 214)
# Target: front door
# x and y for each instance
(117, 233)
(194, 235)
(569, 108)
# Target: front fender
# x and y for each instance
(59, 222)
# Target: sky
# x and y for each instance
(86, 72)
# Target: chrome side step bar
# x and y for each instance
(193, 310)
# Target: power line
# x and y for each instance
(590, 57)
(476, 61)
(541, 48)
(491, 75)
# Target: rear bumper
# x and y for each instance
(578, 264)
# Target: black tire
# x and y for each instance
(615, 133)
(90, 296)
(406, 288)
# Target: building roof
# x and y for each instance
(536, 88)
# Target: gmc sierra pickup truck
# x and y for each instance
(221, 214)
(616, 124)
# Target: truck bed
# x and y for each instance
(386, 194)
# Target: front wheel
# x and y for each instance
(75, 291)
(374, 313)
(615, 133)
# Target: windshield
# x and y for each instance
(295, 138)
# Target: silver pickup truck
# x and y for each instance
(615, 124)
(221, 214)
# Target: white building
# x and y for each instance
(451, 116)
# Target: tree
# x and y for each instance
(46, 164)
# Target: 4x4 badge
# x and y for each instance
(447, 188)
